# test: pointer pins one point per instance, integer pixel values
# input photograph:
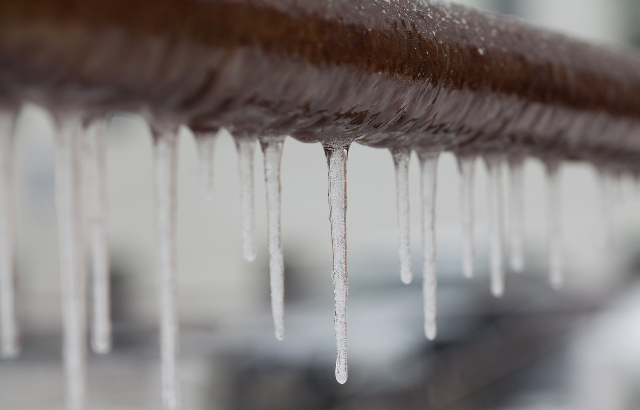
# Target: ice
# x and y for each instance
(337, 162)
(206, 145)
(10, 342)
(96, 178)
(608, 203)
(272, 149)
(496, 229)
(516, 213)
(466, 166)
(429, 166)
(68, 175)
(166, 167)
(246, 147)
(554, 215)
(401, 159)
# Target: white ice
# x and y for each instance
(246, 147)
(496, 226)
(401, 159)
(554, 215)
(516, 213)
(206, 145)
(466, 167)
(429, 166)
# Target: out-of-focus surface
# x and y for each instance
(534, 349)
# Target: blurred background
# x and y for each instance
(578, 348)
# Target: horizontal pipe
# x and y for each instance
(383, 73)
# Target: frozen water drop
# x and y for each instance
(337, 162)
(554, 215)
(466, 166)
(429, 167)
(246, 147)
(496, 229)
(272, 149)
(516, 213)
(401, 158)
(206, 145)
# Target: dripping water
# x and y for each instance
(554, 215)
(516, 213)
(466, 166)
(496, 229)
(206, 145)
(429, 167)
(246, 147)
(401, 159)
(272, 149)
(337, 162)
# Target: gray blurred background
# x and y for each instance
(578, 348)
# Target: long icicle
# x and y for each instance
(466, 166)
(516, 213)
(429, 167)
(554, 215)
(246, 147)
(496, 229)
(337, 161)
(68, 144)
(206, 145)
(272, 149)
(96, 169)
(10, 344)
(401, 159)
(166, 169)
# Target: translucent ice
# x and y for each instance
(246, 147)
(401, 159)
(496, 227)
(466, 166)
(516, 213)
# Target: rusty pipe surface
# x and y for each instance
(383, 73)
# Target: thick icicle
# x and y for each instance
(272, 149)
(246, 147)
(10, 345)
(429, 167)
(96, 172)
(337, 161)
(68, 144)
(206, 144)
(496, 229)
(401, 159)
(554, 217)
(516, 213)
(166, 167)
(466, 166)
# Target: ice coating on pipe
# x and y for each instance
(401, 159)
(337, 162)
(272, 149)
(516, 214)
(246, 148)
(466, 167)
(554, 228)
(206, 146)
(68, 142)
(496, 225)
(429, 168)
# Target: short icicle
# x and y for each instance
(272, 149)
(166, 167)
(516, 213)
(401, 159)
(10, 342)
(68, 148)
(337, 162)
(206, 145)
(429, 168)
(608, 204)
(246, 148)
(496, 228)
(466, 166)
(554, 217)
(96, 177)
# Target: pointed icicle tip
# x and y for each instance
(401, 159)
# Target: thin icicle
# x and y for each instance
(516, 213)
(429, 167)
(401, 159)
(337, 161)
(10, 345)
(466, 166)
(608, 203)
(206, 145)
(96, 161)
(166, 167)
(496, 229)
(68, 144)
(272, 149)
(554, 218)
(246, 147)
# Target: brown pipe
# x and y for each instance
(382, 72)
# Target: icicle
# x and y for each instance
(206, 144)
(96, 160)
(272, 149)
(166, 167)
(516, 212)
(429, 166)
(10, 344)
(68, 144)
(554, 215)
(337, 161)
(466, 166)
(496, 229)
(608, 203)
(246, 148)
(401, 159)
